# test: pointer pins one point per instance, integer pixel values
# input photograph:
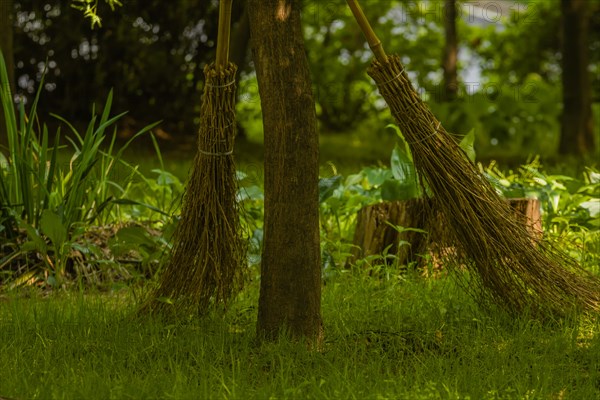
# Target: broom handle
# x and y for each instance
(365, 26)
(225, 7)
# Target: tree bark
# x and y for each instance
(450, 52)
(290, 290)
(6, 45)
(577, 135)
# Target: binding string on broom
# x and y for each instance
(216, 154)
(211, 154)
(435, 132)
(220, 86)
(394, 78)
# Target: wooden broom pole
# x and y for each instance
(222, 59)
(365, 26)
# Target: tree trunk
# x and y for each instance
(290, 290)
(450, 52)
(577, 136)
(6, 45)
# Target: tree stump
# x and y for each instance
(529, 213)
(381, 229)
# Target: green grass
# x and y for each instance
(396, 338)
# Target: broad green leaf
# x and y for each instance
(402, 143)
(36, 242)
(250, 193)
(403, 169)
(392, 190)
(376, 176)
(594, 177)
(467, 144)
(52, 226)
(52, 281)
(133, 238)
(165, 178)
(354, 179)
(401, 229)
(593, 207)
(327, 186)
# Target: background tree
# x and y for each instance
(450, 60)
(577, 134)
(518, 108)
(290, 291)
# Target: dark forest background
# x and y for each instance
(510, 63)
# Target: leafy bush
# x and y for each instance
(46, 207)
(508, 119)
(570, 206)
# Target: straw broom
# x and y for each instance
(507, 268)
(208, 252)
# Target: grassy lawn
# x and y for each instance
(386, 338)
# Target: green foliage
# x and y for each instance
(52, 203)
(527, 43)
(90, 9)
(140, 244)
(509, 119)
(248, 113)
(402, 181)
(570, 206)
(251, 197)
(339, 57)
(568, 202)
(18, 172)
(468, 145)
(337, 69)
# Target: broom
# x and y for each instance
(506, 267)
(204, 266)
